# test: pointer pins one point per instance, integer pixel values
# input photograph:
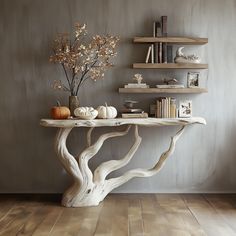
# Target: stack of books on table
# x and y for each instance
(166, 108)
(133, 113)
(136, 85)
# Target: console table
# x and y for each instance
(89, 189)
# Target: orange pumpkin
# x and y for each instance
(59, 112)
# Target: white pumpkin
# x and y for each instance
(106, 112)
(87, 113)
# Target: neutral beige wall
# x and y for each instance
(205, 158)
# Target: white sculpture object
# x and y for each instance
(90, 188)
(182, 58)
(138, 78)
(86, 113)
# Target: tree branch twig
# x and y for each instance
(116, 182)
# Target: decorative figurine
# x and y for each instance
(138, 78)
(169, 81)
(182, 58)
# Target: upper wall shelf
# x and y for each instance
(172, 40)
(169, 66)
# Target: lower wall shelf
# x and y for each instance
(159, 90)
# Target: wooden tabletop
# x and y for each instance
(70, 123)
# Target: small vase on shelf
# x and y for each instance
(73, 104)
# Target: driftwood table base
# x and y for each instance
(88, 188)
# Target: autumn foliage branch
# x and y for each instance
(82, 58)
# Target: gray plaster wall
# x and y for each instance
(205, 157)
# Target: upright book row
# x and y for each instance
(160, 52)
(166, 108)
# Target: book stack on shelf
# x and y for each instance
(166, 108)
(160, 52)
(136, 85)
(131, 112)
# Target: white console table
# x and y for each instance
(89, 189)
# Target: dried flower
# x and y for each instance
(82, 60)
(57, 84)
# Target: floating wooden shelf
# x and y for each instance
(169, 66)
(172, 40)
(160, 90)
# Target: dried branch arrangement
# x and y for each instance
(82, 58)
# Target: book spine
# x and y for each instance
(152, 53)
(177, 113)
(154, 29)
(148, 54)
(160, 52)
(158, 29)
(169, 108)
(163, 108)
(164, 26)
(169, 53)
(160, 111)
(156, 55)
(153, 110)
(173, 108)
(166, 108)
(173, 112)
(157, 109)
(164, 53)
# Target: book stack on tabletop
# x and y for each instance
(129, 111)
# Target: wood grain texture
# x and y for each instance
(135, 216)
(177, 215)
(47, 224)
(203, 212)
(169, 66)
(147, 122)
(159, 90)
(172, 40)
(124, 215)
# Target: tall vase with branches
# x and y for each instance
(82, 58)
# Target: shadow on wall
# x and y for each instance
(220, 165)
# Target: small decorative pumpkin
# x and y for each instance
(60, 112)
(87, 113)
(106, 112)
